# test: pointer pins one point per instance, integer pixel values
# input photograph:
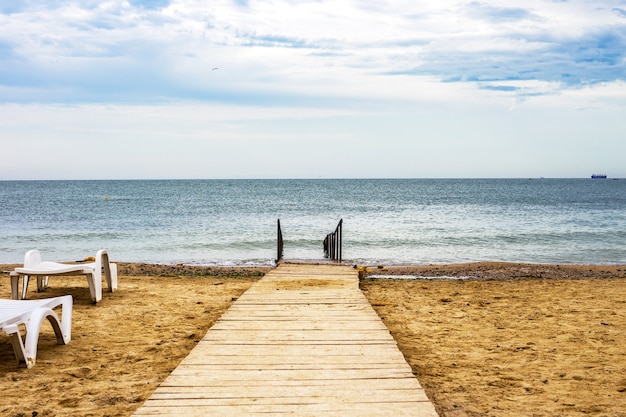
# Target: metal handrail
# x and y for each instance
(333, 243)
(279, 243)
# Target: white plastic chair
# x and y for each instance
(34, 266)
(31, 314)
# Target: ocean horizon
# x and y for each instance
(385, 221)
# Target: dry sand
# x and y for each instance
(513, 340)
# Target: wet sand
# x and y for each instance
(512, 340)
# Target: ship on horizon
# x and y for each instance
(598, 176)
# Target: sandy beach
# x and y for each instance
(506, 340)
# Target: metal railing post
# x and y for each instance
(340, 240)
(279, 243)
(333, 243)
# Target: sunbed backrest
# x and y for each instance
(32, 258)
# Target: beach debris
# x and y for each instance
(362, 270)
(87, 259)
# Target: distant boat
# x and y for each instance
(598, 176)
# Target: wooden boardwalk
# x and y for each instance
(303, 341)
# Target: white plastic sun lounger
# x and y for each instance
(33, 266)
(31, 314)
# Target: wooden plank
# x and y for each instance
(243, 350)
(267, 390)
(199, 401)
(365, 385)
(258, 335)
(387, 409)
(303, 340)
(288, 360)
(225, 363)
(335, 325)
(293, 374)
(264, 395)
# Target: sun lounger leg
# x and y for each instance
(15, 283)
(95, 286)
(110, 272)
(33, 327)
(18, 345)
(25, 281)
(42, 283)
(110, 269)
(16, 294)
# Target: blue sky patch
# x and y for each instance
(150, 4)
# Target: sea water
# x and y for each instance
(385, 221)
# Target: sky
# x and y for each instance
(143, 89)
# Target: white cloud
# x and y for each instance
(138, 76)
